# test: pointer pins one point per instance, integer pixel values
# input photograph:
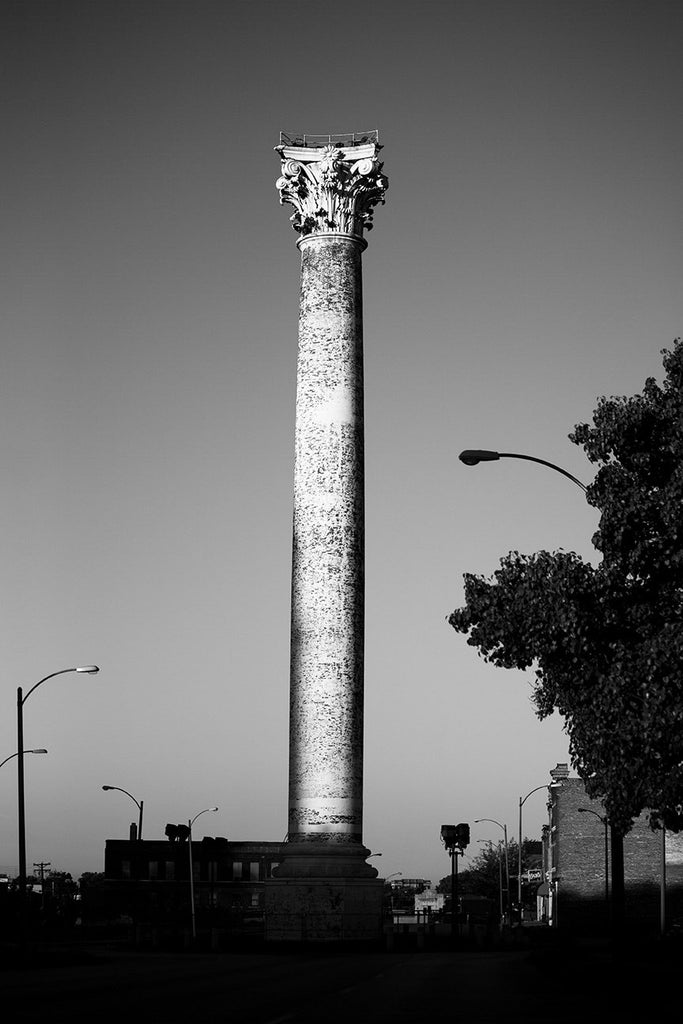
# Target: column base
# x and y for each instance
(324, 909)
(324, 892)
(324, 859)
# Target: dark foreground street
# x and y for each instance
(556, 986)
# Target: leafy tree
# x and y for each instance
(91, 879)
(483, 876)
(606, 641)
(60, 883)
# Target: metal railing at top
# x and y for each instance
(315, 141)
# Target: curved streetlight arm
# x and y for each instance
(473, 456)
(138, 803)
(477, 820)
(90, 669)
(40, 750)
(192, 821)
(522, 802)
(587, 810)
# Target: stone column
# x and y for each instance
(333, 189)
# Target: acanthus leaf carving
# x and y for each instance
(331, 189)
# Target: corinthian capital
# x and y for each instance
(332, 188)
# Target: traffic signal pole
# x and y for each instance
(455, 853)
(455, 838)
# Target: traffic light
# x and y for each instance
(448, 836)
(462, 835)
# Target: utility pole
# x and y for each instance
(41, 865)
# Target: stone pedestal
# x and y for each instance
(324, 910)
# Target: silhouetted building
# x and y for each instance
(149, 881)
(576, 891)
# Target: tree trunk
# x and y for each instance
(618, 887)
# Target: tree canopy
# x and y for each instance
(606, 641)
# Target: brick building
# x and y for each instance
(577, 865)
(149, 881)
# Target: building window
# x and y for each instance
(254, 871)
(255, 899)
(170, 870)
(125, 869)
(154, 869)
(237, 870)
(272, 866)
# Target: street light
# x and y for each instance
(189, 846)
(605, 821)
(21, 700)
(137, 803)
(522, 801)
(473, 456)
(507, 864)
(489, 842)
(40, 750)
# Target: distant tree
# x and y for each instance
(96, 901)
(90, 879)
(482, 877)
(606, 642)
(60, 883)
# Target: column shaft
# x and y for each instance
(327, 630)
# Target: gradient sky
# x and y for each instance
(527, 261)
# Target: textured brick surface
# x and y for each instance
(578, 844)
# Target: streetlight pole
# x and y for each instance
(605, 822)
(391, 896)
(507, 862)
(138, 804)
(489, 843)
(189, 846)
(21, 700)
(472, 457)
(519, 851)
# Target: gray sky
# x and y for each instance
(527, 261)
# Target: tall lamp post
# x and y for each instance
(507, 863)
(522, 801)
(189, 846)
(391, 894)
(21, 700)
(472, 457)
(138, 804)
(605, 822)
